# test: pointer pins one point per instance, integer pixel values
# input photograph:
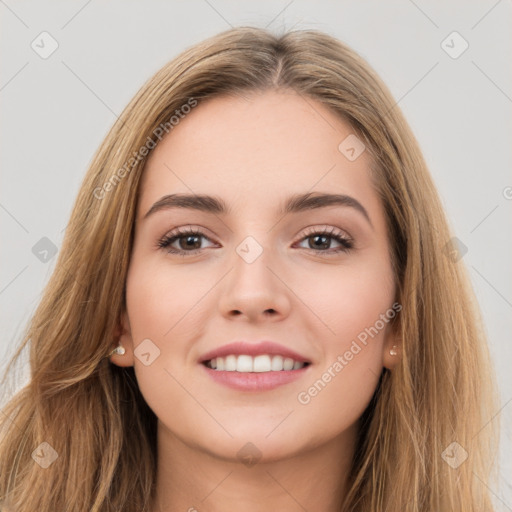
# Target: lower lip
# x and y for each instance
(255, 381)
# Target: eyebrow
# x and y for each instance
(294, 204)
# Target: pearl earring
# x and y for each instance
(120, 350)
(393, 351)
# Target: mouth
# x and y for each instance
(260, 373)
(262, 363)
(254, 367)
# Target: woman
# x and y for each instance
(257, 305)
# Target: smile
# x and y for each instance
(260, 363)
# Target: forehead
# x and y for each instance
(256, 149)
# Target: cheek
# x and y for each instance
(351, 302)
(159, 297)
(158, 301)
(357, 308)
(164, 307)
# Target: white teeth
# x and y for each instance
(260, 364)
(230, 363)
(277, 363)
(244, 364)
(288, 363)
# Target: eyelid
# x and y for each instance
(310, 230)
(327, 228)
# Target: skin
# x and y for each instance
(253, 152)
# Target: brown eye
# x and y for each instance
(189, 242)
(320, 241)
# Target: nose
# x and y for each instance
(255, 291)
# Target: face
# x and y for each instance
(316, 281)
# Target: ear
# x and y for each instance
(392, 348)
(123, 336)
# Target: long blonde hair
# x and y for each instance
(91, 412)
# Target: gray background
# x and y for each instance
(56, 111)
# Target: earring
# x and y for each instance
(118, 350)
(393, 351)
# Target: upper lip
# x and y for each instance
(253, 349)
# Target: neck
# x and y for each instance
(192, 480)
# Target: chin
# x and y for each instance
(255, 445)
(250, 451)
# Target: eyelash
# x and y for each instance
(346, 243)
